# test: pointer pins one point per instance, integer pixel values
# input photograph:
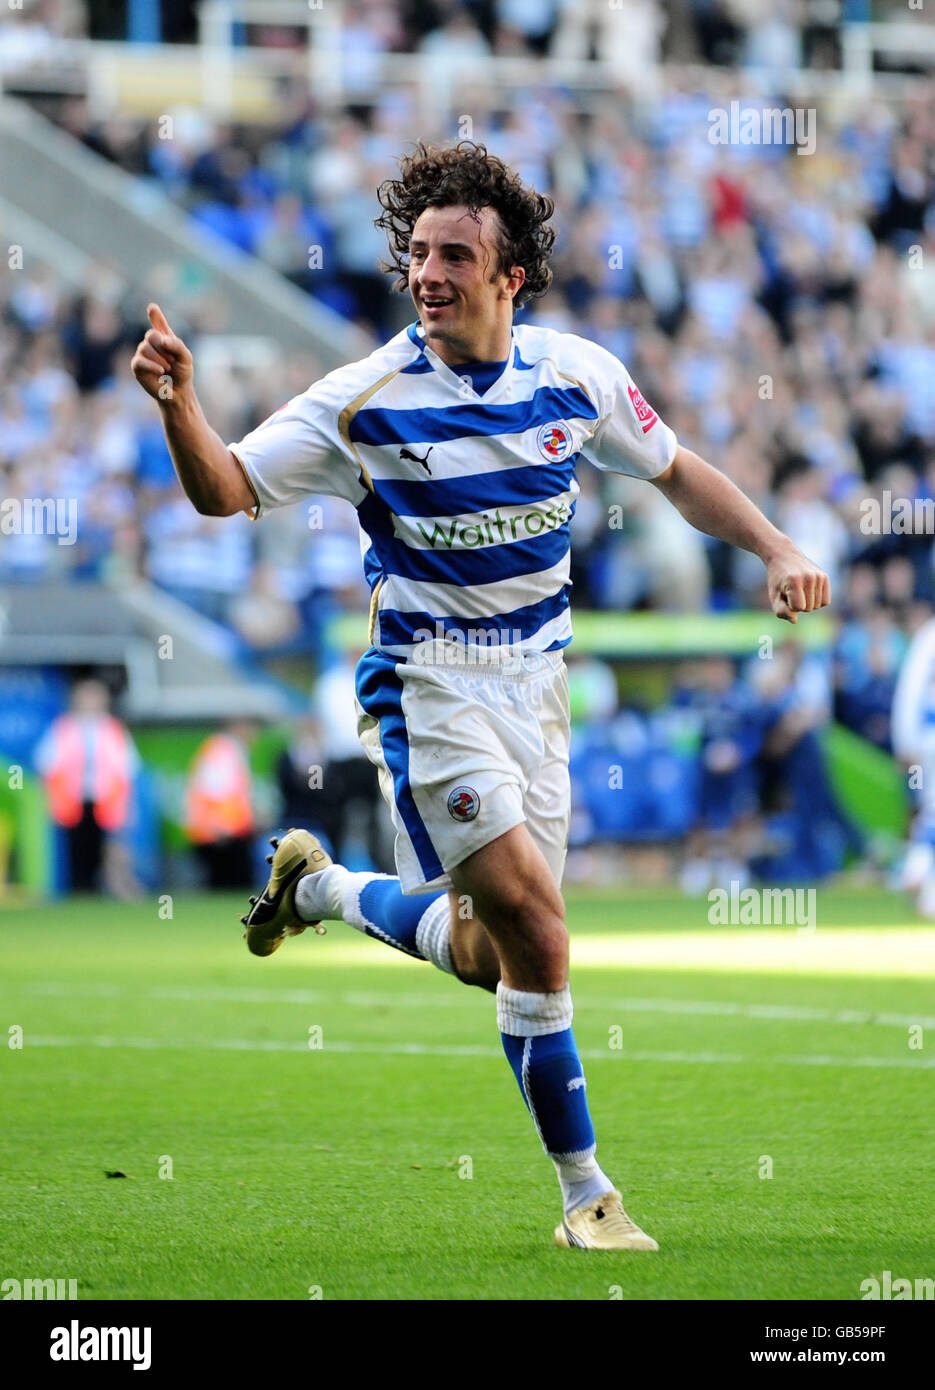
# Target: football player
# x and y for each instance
(458, 443)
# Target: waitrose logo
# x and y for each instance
(451, 533)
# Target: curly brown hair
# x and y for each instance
(465, 174)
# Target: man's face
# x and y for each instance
(90, 698)
(460, 295)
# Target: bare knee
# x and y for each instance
(525, 922)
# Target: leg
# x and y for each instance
(213, 858)
(235, 868)
(403, 727)
(516, 897)
(473, 954)
(85, 844)
(519, 902)
(451, 936)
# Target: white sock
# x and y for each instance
(523, 1014)
(433, 935)
(332, 895)
(581, 1183)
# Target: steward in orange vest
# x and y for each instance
(95, 768)
(87, 761)
(219, 816)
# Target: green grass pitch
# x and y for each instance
(396, 1159)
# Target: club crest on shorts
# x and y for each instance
(554, 441)
(463, 803)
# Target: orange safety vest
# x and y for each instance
(218, 796)
(65, 775)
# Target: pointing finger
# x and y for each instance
(158, 319)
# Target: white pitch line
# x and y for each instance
(358, 999)
(460, 1050)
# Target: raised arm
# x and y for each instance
(713, 504)
(210, 475)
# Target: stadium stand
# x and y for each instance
(778, 310)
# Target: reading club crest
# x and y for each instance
(554, 441)
(463, 803)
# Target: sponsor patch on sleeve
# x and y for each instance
(644, 411)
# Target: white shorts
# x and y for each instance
(465, 752)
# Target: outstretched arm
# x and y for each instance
(712, 503)
(212, 478)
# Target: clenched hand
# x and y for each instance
(795, 584)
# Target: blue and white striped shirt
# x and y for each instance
(464, 496)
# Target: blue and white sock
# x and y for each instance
(540, 1046)
(417, 924)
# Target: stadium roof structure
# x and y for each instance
(178, 665)
(77, 212)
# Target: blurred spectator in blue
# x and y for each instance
(868, 654)
(730, 724)
(300, 778)
(913, 722)
(812, 834)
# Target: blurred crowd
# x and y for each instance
(726, 779)
(771, 33)
(74, 424)
(777, 310)
(730, 766)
